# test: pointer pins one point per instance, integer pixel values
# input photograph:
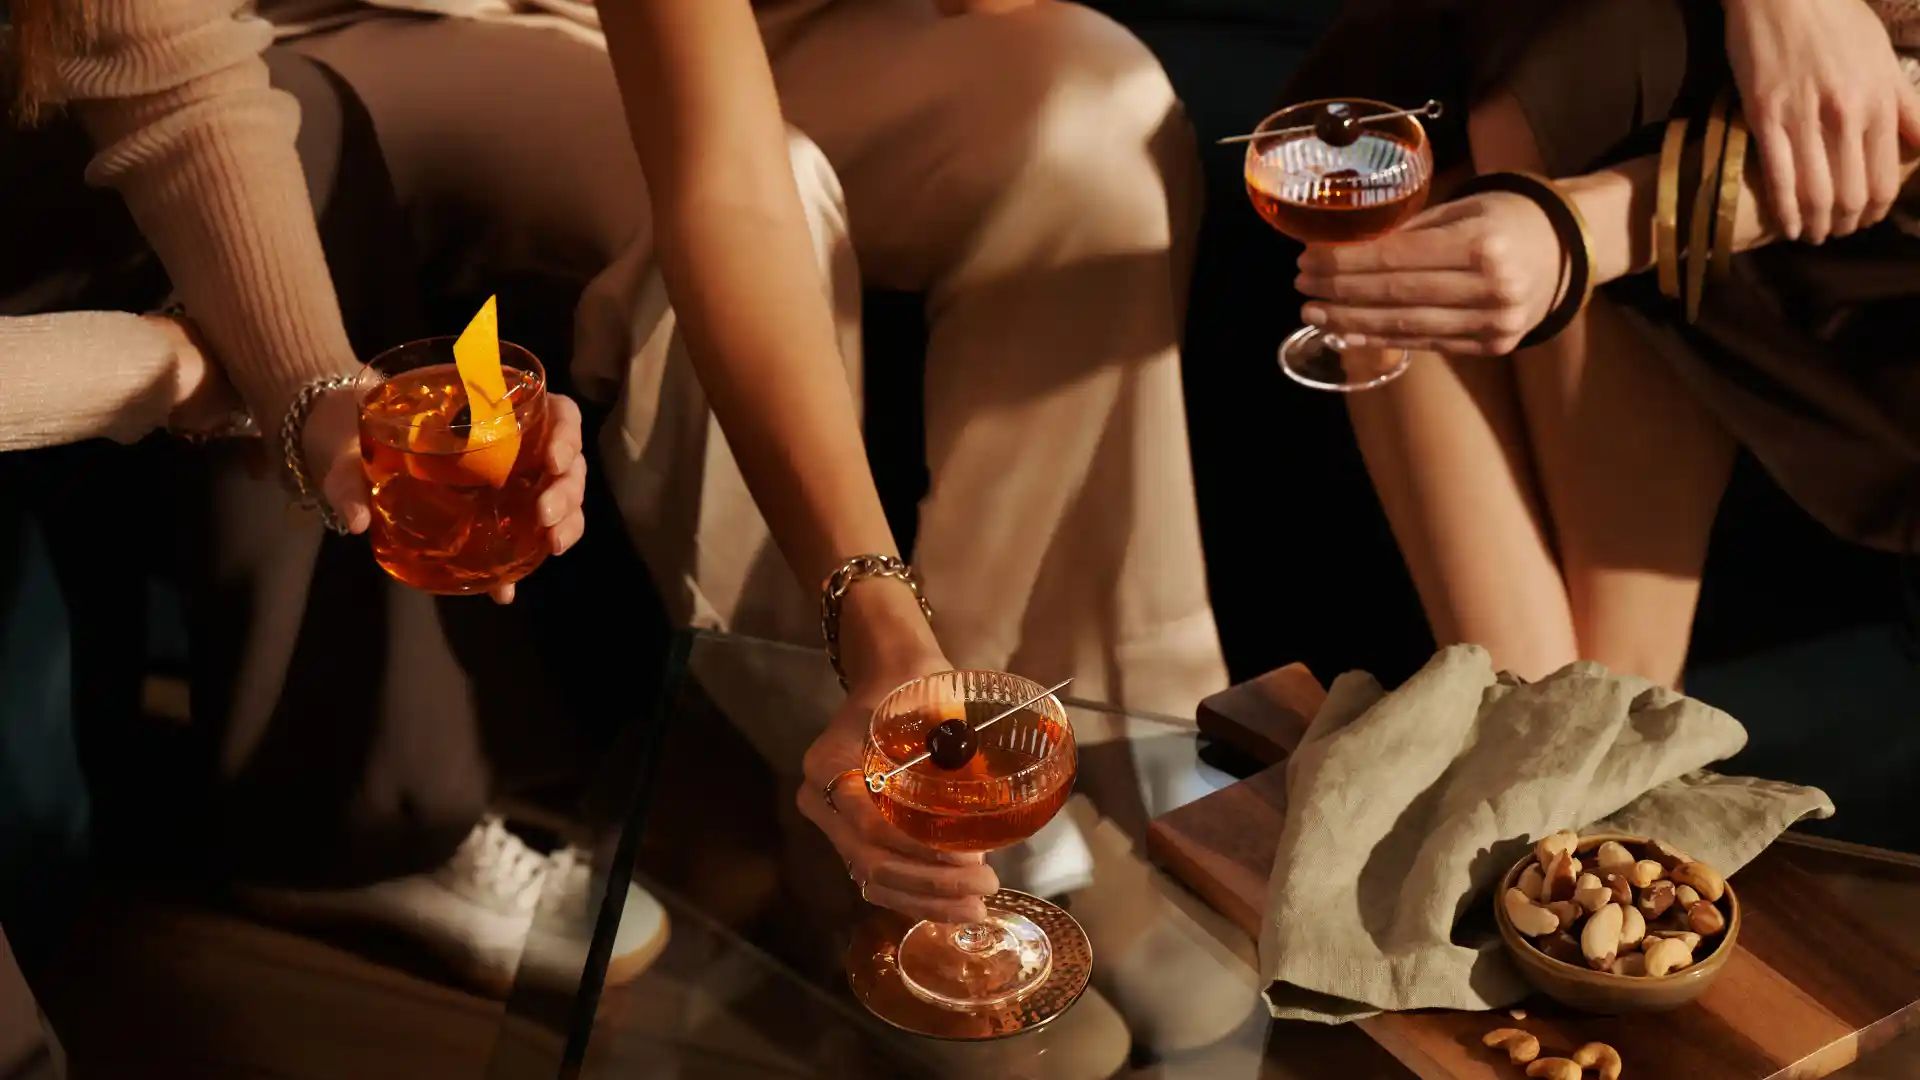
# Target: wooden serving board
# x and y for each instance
(1812, 986)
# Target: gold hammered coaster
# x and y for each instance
(873, 973)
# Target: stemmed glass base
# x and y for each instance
(873, 974)
(975, 965)
(1312, 357)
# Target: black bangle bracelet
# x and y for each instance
(1575, 249)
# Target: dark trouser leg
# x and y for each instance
(343, 740)
(355, 718)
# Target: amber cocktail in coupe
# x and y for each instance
(983, 787)
(455, 466)
(1339, 172)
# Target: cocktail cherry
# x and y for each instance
(952, 744)
(1336, 125)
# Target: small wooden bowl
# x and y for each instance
(1602, 991)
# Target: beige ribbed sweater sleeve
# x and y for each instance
(192, 135)
(84, 375)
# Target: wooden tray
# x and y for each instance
(1812, 985)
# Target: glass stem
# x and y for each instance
(976, 937)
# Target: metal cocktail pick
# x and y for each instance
(1431, 111)
(876, 784)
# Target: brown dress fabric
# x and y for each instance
(1809, 355)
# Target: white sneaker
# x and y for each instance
(476, 910)
(571, 894)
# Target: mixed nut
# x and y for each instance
(1638, 914)
(1524, 1049)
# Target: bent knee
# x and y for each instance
(1105, 133)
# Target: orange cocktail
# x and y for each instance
(946, 772)
(454, 485)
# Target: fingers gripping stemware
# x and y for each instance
(1008, 779)
(1339, 172)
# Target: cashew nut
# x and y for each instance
(1633, 965)
(1533, 882)
(1520, 1046)
(1633, 927)
(1705, 919)
(1561, 875)
(1528, 917)
(1601, 1058)
(1688, 937)
(1613, 856)
(1667, 955)
(1656, 898)
(1685, 896)
(1705, 880)
(1645, 873)
(1554, 1069)
(1600, 941)
(1622, 892)
(1551, 847)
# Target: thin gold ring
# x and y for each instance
(827, 792)
(863, 893)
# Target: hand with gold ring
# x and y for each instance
(894, 870)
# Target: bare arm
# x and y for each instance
(740, 266)
(1618, 203)
(1470, 277)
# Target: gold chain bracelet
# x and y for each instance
(852, 572)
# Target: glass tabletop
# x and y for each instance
(699, 809)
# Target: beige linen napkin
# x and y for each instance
(1404, 809)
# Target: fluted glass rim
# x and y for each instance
(1051, 705)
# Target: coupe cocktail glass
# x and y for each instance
(1367, 181)
(453, 500)
(1019, 775)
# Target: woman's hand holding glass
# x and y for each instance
(1466, 278)
(332, 439)
(895, 871)
(885, 642)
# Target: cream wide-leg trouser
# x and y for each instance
(1033, 174)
